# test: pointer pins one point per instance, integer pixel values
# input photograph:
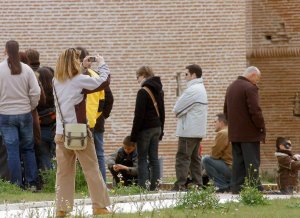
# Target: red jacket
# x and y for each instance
(244, 115)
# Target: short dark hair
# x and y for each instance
(34, 58)
(195, 69)
(280, 141)
(83, 53)
(222, 118)
(127, 142)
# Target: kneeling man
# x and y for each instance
(218, 164)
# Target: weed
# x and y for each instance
(294, 204)
(199, 199)
(120, 189)
(6, 187)
(249, 194)
(49, 177)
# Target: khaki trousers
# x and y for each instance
(65, 176)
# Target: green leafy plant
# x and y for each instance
(120, 189)
(249, 194)
(9, 188)
(199, 199)
(49, 177)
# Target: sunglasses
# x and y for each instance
(287, 145)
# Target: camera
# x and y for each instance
(92, 59)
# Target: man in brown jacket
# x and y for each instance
(246, 128)
(218, 164)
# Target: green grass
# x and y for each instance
(277, 208)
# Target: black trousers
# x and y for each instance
(246, 163)
(4, 172)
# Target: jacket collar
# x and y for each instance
(280, 154)
(194, 81)
(245, 79)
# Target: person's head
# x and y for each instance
(68, 65)
(13, 60)
(283, 144)
(252, 74)
(23, 57)
(193, 71)
(45, 77)
(128, 145)
(220, 122)
(83, 53)
(143, 73)
(34, 58)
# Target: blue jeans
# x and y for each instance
(17, 132)
(147, 147)
(99, 143)
(218, 171)
(44, 151)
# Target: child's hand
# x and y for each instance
(118, 167)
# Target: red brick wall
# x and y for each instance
(167, 35)
(275, 49)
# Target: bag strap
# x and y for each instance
(153, 99)
(59, 110)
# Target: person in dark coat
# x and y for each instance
(288, 166)
(246, 128)
(148, 126)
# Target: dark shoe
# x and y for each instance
(223, 190)
(260, 188)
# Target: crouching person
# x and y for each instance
(288, 166)
(218, 164)
(123, 163)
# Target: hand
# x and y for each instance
(118, 167)
(86, 63)
(100, 60)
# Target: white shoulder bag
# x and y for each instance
(75, 134)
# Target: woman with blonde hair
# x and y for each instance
(70, 86)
